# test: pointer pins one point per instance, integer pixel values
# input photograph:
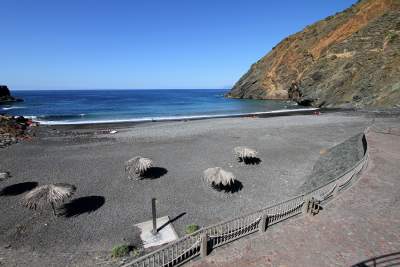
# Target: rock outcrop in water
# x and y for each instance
(5, 95)
(351, 59)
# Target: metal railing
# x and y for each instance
(201, 241)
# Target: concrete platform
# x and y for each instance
(165, 235)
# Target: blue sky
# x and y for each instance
(88, 44)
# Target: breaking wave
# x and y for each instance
(84, 119)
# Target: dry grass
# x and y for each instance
(4, 175)
(243, 152)
(137, 166)
(50, 194)
(218, 176)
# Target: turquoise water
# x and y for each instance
(95, 106)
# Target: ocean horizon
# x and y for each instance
(133, 105)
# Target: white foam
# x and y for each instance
(14, 107)
(31, 117)
(171, 118)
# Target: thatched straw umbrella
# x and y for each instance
(243, 152)
(217, 176)
(137, 166)
(4, 175)
(50, 194)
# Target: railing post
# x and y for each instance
(203, 245)
(315, 206)
(306, 205)
(263, 223)
(311, 206)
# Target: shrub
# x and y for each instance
(135, 253)
(391, 36)
(191, 228)
(120, 251)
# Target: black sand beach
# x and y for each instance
(107, 204)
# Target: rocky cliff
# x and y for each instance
(351, 59)
(5, 95)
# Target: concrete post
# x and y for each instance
(154, 213)
(203, 245)
(263, 223)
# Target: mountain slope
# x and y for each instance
(351, 59)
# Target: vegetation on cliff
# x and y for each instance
(351, 59)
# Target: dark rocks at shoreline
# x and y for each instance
(13, 129)
(6, 140)
(6, 97)
(4, 92)
(348, 60)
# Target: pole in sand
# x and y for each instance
(153, 211)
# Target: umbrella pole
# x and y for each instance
(154, 213)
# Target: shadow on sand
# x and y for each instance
(154, 173)
(17, 189)
(250, 161)
(81, 205)
(364, 143)
(233, 188)
(171, 221)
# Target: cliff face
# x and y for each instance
(351, 59)
(5, 95)
(4, 92)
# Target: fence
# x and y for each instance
(205, 239)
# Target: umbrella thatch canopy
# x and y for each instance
(4, 175)
(243, 152)
(218, 176)
(50, 194)
(137, 166)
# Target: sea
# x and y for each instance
(102, 106)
